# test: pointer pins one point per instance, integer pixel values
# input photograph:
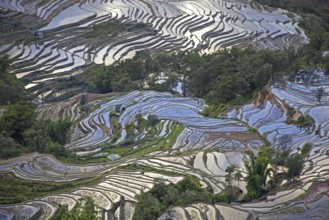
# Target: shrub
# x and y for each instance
(295, 165)
(59, 131)
(153, 119)
(306, 148)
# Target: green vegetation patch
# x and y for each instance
(213, 111)
(155, 202)
(11, 89)
(148, 144)
(21, 132)
(261, 173)
(79, 212)
(302, 121)
(14, 190)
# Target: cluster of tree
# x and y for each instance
(232, 192)
(21, 132)
(302, 121)
(87, 212)
(234, 76)
(223, 77)
(125, 75)
(153, 203)
(11, 89)
(261, 172)
(141, 125)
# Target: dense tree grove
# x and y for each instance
(153, 203)
(11, 89)
(59, 131)
(233, 76)
(223, 77)
(261, 169)
(21, 132)
(258, 171)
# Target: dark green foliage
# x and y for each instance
(148, 207)
(153, 203)
(228, 179)
(234, 76)
(78, 212)
(118, 77)
(11, 89)
(88, 212)
(21, 133)
(302, 121)
(305, 121)
(57, 150)
(36, 138)
(84, 99)
(153, 119)
(306, 148)
(17, 119)
(142, 123)
(61, 213)
(214, 110)
(281, 155)
(295, 165)
(225, 77)
(258, 171)
(169, 84)
(9, 147)
(137, 127)
(16, 190)
(290, 110)
(319, 94)
(59, 131)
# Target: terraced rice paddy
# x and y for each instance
(183, 142)
(199, 132)
(226, 140)
(55, 47)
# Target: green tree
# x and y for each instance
(319, 94)
(11, 89)
(295, 165)
(148, 207)
(103, 80)
(238, 176)
(228, 179)
(59, 131)
(17, 119)
(257, 173)
(9, 147)
(153, 119)
(88, 212)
